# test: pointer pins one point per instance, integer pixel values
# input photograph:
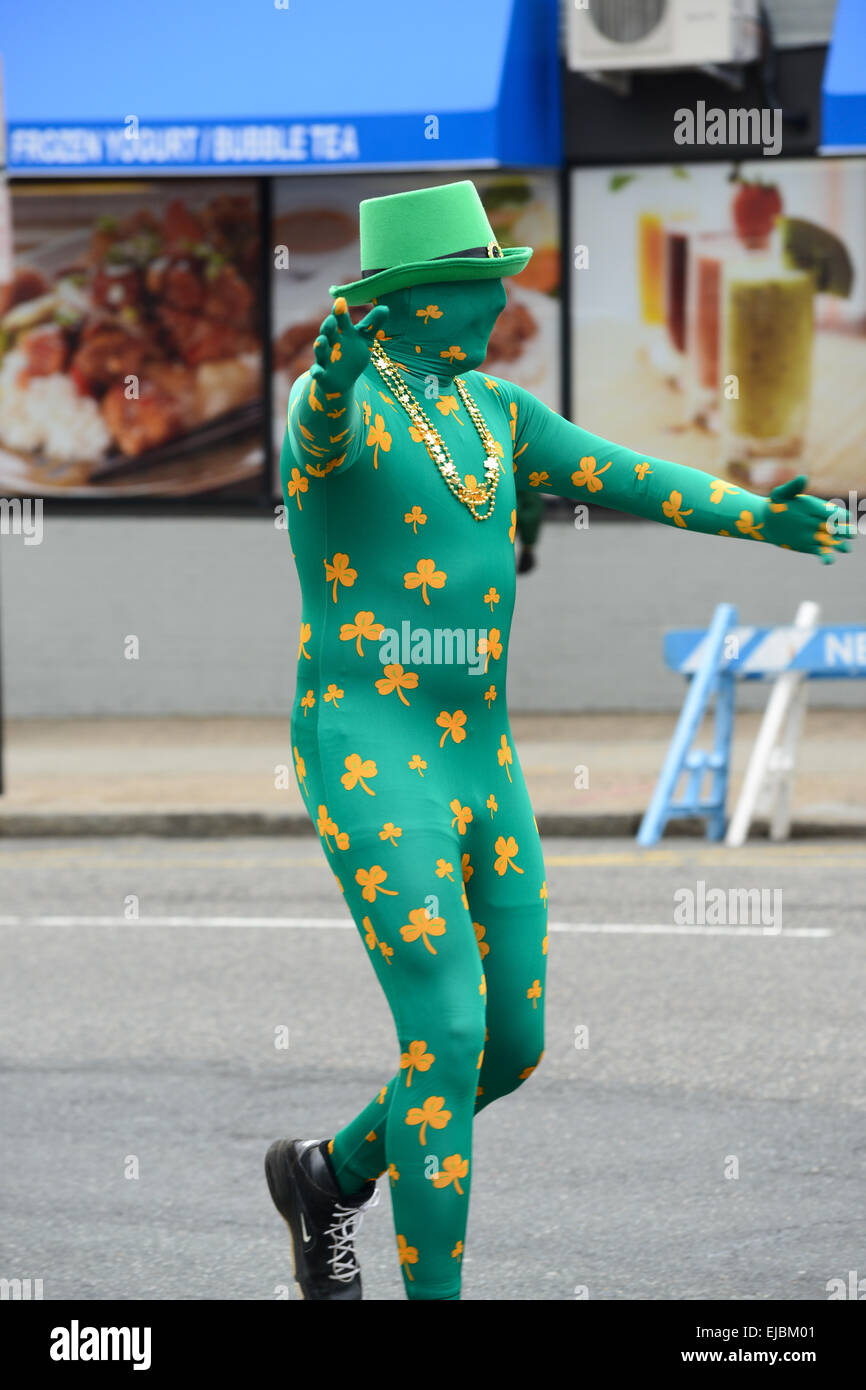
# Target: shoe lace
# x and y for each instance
(341, 1233)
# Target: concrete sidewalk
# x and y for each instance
(217, 776)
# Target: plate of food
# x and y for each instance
(130, 359)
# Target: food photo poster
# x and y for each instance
(718, 317)
(131, 341)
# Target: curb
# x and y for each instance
(225, 824)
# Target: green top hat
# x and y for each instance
(424, 236)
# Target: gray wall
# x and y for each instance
(215, 605)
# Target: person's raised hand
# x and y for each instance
(801, 522)
(342, 349)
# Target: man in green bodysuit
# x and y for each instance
(399, 468)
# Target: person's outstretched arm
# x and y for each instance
(325, 422)
(554, 455)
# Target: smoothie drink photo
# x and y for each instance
(767, 337)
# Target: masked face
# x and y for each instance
(442, 329)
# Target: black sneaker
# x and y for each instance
(322, 1222)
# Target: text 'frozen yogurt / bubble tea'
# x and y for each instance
(768, 313)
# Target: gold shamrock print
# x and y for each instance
(328, 467)
(642, 470)
(395, 678)
(462, 816)
(306, 633)
(307, 702)
(536, 479)
(506, 850)
(378, 438)
(408, 1255)
(369, 932)
(326, 826)
(504, 755)
(490, 696)
(296, 485)
(449, 405)
(483, 946)
(453, 354)
(416, 1058)
(364, 625)
(747, 526)
(674, 508)
(300, 768)
(453, 1169)
(444, 869)
(431, 312)
(371, 881)
(416, 517)
(512, 530)
(466, 868)
(421, 925)
(424, 573)
(492, 804)
(340, 572)
(719, 488)
(391, 832)
(534, 993)
(417, 764)
(492, 645)
(333, 694)
(357, 768)
(432, 1113)
(491, 597)
(589, 474)
(527, 1071)
(453, 725)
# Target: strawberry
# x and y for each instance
(755, 208)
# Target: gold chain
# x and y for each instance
(468, 491)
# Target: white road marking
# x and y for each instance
(346, 923)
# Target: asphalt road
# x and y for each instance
(148, 1046)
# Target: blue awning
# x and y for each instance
(223, 86)
(843, 94)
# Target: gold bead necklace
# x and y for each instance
(468, 491)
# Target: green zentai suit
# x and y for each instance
(403, 749)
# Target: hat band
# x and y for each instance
(491, 250)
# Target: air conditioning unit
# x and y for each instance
(603, 35)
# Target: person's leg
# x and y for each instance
(508, 903)
(420, 939)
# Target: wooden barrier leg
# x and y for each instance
(787, 690)
(780, 815)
